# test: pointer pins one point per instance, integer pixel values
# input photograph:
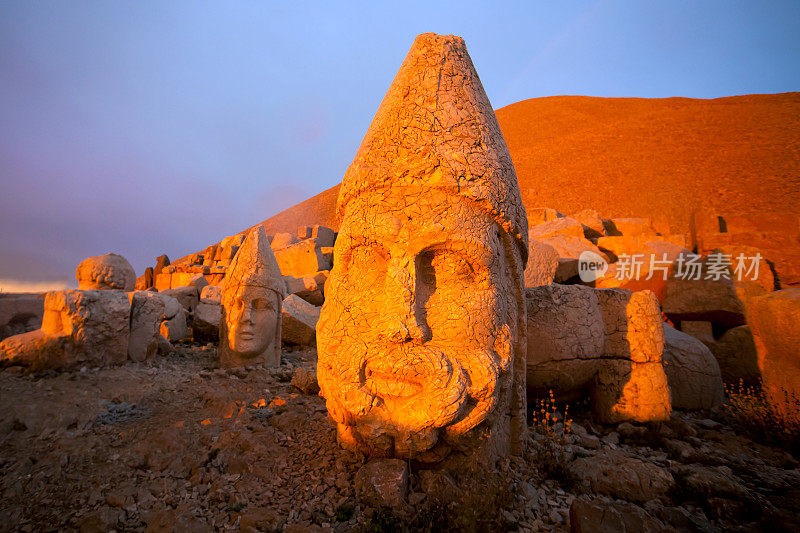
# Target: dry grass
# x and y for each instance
(748, 408)
(551, 429)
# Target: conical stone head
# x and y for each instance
(421, 340)
(436, 129)
(252, 292)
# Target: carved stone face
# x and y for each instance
(252, 319)
(417, 332)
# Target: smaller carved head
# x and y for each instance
(105, 272)
(252, 318)
(253, 289)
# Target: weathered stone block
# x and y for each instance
(692, 372)
(147, 310)
(299, 321)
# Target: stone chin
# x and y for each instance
(404, 400)
(248, 342)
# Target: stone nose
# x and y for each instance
(404, 322)
(246, 315)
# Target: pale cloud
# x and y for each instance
(13, 285)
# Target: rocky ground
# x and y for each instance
(175, 444)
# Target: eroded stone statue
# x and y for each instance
(421, 339)
(105, 272)
(253, 290)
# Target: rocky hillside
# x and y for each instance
(638, 157)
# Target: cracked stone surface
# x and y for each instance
(421, 338)
(605, 343)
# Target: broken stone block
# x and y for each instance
(78, 328)
(628, 226)
(538, 215)
(309, 288)
(542, 265)
(566, 339)
(299, 321)
(753, 262)
(558, 226)
(209, 254)
(713, 300)
(145, 281)
(592, 223)
(606, 343)
(20, 313)
(163, 281)
(282, 240)
(323, 236)
(301, 259)
(37, 351)
(703, 222)
(205, 324)
(701, 330)
(737, 356)
(567, 269)
(164, 346)
(162, 261)
(382, 483)
(305, 381)
(632, 385)
(147, 310)
(692, 372)
(104, 272)
(303, 232)
(327, 255)
(211, 294)
(173, 325)
(172, 306)
(774, 320)
(175, 329)
(644, 263)
(97, 321)
(571, 247)
(187, 296)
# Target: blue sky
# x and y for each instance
(151, 127)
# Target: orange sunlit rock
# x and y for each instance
(775, 322)
(421, 338)
(277, 402)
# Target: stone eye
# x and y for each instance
(260, 304)
(366, 265)
(443, 265)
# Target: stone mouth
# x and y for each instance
(390, 385)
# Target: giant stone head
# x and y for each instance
(421, 340)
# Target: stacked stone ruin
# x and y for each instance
(636, 347)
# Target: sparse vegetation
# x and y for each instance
(747, 408)
(552, 429)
